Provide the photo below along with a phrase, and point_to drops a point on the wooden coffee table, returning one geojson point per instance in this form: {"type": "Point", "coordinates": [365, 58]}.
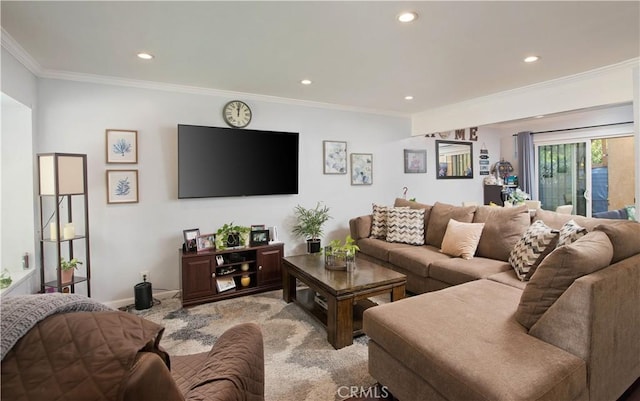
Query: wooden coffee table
{"type": "Point", "coordinates": [346, 293]}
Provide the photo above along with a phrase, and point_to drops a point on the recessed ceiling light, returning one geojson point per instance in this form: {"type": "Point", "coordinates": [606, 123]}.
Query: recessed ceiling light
{"type": "Point", "coordinates": [407, 16]}
{"type": "Point", "coordinates": [306, 82]}
{"type": "Point", "coordinates": [531, 59]}
{"type": "Point", "coordinates": [408, 97]}
{"type": "Point", "coordinates": [145, 56]}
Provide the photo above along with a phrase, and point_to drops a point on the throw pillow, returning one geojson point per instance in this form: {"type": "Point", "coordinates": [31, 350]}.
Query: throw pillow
{"type": "Point", "coordinates": [528, 252]}
{"type": "Point", "coordinates": [503, 227]}
{"type": "Point", "coordinates": [461, 239]}
{"type": "Point", "coordinates": [558, 271]}
{"type": "Point", "coordinates": [624, 237]}
{"type": "Point", "coordinates": [405, 225]}
{"type": "Point", "coordinates": [439, 217]}
{"type": "Point", "coordinates": [379, 221]}
{"type": "Point", "coordinates": [570, 232]}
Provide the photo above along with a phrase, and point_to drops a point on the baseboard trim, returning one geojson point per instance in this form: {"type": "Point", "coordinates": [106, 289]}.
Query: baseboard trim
{"type": "Point", "coordinates": [119, 303]}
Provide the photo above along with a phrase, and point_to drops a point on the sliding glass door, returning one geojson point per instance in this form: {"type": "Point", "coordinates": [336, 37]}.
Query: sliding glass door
{"type": "Point", "coordinates": [594, 175]}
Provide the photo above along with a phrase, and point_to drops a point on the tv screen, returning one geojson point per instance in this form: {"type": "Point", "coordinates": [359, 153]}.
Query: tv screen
{"type": "Point", "coordinates": [214, 162]}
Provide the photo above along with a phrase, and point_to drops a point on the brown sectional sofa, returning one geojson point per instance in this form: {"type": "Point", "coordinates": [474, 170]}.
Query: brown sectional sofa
{"type": "Point", "coordinates": [459, 339]}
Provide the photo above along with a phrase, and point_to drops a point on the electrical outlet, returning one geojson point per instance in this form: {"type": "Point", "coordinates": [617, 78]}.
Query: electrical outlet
{"type": "Point", "coordinates": [143, 274]}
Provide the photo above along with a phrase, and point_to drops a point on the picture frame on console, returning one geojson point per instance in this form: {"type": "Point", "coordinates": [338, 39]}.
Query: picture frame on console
{"type": "Point", "coordinates": [191, 239]}
{"type": "Point", "coordinates": [259, 238]}
{"type": "Point", "coordinates": [206, 242]}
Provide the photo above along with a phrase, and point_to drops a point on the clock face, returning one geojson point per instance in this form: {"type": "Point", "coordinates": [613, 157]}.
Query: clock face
{"type": "Point", "coordinates": [237, 114]}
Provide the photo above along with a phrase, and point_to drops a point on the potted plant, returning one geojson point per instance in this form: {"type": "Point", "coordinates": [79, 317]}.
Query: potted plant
{"type": "Point", "coordinates": [67, 267]}
{"type": "Point", "coordinates": [309, 225]}
{"type": "Point", "coordinates": [518, 197]}
{"type": "Point", "coordinates": [230, 235]}
{"type": "Point", "coordinates": [339, 256]}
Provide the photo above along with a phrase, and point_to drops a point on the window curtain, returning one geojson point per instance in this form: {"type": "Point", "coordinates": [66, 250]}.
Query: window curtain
{"type": "Point", "coordinates": [526, 162]}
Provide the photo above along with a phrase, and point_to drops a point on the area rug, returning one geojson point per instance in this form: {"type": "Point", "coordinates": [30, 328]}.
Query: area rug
{"type": "Point", "coordinates": [299, 362]}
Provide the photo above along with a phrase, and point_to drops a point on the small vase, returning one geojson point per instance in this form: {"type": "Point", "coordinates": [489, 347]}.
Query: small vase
{"type": "Point", "coordinates": [244, 267]}
{"type": "Point", "coordinates": [245, 280]}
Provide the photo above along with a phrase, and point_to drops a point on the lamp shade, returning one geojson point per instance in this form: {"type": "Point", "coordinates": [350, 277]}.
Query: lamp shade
{"type": "Point", "coordinates": [66, 170]}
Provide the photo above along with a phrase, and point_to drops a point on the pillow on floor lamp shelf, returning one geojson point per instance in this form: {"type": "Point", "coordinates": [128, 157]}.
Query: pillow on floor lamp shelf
{"type": "Point", "coordinates": [536, 243]}
{"type": "Point", "coordinates": [461, 239]}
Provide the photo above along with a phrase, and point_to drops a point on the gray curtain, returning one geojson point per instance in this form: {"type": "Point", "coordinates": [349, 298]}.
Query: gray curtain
{"type": "Point", "coordinates": [526, 162]}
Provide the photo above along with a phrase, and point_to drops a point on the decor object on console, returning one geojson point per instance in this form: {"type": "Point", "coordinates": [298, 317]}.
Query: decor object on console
{"type": "Point", "coordinates": [206, 242]}
{"type": "Point", "coordinates": [122, 146]}
{"type": "Point", "coordinates": [259, 237]}
{"type": "Point", "coordinates": [191, 239]}
{"type": "Point", "coordinates": [310, 224]}
{"type": "Point", "coordinates": [232, 236]}
{"type": "Point", "coordinates": [334, 155]}
{"type": "Point", "coordinates": [64, 198]}
{"type": "Point", "coordinates": [361, 168]}
{"type": "Point", "coordinates": [122, 186]}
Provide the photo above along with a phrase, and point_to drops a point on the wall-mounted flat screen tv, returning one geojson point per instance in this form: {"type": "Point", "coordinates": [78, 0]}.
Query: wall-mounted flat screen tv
{"type": "Point", "coordinates": [216, 162]}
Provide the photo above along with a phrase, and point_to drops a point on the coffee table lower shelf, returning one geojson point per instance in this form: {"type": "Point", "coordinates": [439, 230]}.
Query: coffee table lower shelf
{"type": "Point", "coordinates": [305, 298]}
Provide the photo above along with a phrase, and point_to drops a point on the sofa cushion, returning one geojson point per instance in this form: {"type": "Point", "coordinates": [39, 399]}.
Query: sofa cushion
{"type": "Point", "coordinates": [503, 227]}
{"type": "Point", "coordinates": [570, 232]}
{"type": "Point", "coordinates": [531, 249]}
{"type": "Point", "coordinates": [508, 278]}
{"type": "Point", "coordinates": [557, 220]}
{"type": "Point", "coordinates": [625, 237]}
{"type": "Point", "coordinates": [378, 248]}
{"type": "Point", "coordinates": [399, 202]}
{"type": "Point", "coordinates": [461, 239]}
{"type": "Point", "coordinates": [439, 217]}
{"type": "Point", "coordinates": [456, 271]}
{"type": "Point", "coordinates": [416, 259]}
{"type": "Point", "coordinates": [557, 272]}
{"type": "Point", "coordinates": [464, 342]}
{"type": "Point", "coordinates": [405, 226]}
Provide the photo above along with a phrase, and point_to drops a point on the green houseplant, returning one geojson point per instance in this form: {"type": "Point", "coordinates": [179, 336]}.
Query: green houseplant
{"type": "Point", "coordinates": [67, 267]}
{"type": "Point", "coordinates": [310, 225]}
{"type": "Point", "coordinates": [230, 235]}
{"type": "Point", "coordinates": [340, 256]}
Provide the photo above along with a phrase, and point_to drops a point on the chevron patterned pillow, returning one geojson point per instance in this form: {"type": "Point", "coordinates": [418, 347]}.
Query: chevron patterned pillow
{"type": "Point", "coordinates": [570, 232]}
{"type": "Point", "coordinates": [405, 225]}
{"type": "Point", "coordinates": [379, 221]}
{"type": "Point", "coordinates": [530, 250]}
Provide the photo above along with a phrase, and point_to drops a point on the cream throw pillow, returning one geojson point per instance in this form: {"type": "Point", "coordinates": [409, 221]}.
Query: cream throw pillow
{"type": "Point", "coordinates": [461, 239]}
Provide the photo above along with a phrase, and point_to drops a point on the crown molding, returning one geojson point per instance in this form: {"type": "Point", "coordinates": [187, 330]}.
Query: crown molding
{"type": "Point", "coordinates": [17, 51]}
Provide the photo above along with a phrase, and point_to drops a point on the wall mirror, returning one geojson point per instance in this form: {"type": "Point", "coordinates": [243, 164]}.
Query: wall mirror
{"type": "Point", "coordinates": [455, 159]}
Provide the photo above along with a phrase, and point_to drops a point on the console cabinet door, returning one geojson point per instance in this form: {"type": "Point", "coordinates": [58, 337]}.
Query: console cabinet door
{"type": "Point", "coordinates": [269, 261]}
{"type": "Point", "coordinates": [197, 277]}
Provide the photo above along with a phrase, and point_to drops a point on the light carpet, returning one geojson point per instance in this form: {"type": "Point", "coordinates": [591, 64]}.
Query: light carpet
{"type": "Point", "coordinates": [299, 362]}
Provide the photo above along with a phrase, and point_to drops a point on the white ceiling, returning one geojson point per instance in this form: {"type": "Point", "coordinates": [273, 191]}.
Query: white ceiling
{"type": "Point", "coordinates": [356, 53]}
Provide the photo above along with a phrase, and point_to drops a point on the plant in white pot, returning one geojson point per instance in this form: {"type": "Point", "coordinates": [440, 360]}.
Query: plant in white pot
{"type": "Point", "coordinates": [310, 225]}
{"type": "Point", "coordinates": [66, 269]}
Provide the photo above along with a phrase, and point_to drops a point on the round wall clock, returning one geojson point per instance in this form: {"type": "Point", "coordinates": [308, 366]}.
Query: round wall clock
{"type": "Point", "coordinates": [236, 114]}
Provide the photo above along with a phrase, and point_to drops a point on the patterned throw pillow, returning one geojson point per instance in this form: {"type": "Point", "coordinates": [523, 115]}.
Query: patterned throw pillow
{"type": "Point", "coordinates": [379, 222]}
{"type": "Point", "coordinates": [570, 232]}
{"type": "Point", "coordinates": [405, 225]}
{"type": "Point", "coordinates": [530, 250]}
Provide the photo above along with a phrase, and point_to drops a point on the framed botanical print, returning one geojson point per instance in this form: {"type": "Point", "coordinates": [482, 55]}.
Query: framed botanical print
{"type": "Point", "coordinates": [122, 186]}
{"type": "Point", "coordinates": [361, 168]}
{"type": "Point", "coordinates": [334, 155]}
{"type": "Point", "coordinates": [122, 146]}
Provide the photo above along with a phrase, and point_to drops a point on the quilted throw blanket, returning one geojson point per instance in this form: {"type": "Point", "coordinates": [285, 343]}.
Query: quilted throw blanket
{"type": "Point", "coordinates": [21, 313]}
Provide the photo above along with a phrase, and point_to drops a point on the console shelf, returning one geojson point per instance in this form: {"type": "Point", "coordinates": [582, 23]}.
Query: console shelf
{"type": "Point", "coordinates": [203, 279]}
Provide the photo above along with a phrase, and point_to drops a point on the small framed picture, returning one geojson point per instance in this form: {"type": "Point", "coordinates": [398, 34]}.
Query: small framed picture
{"type": "Point", "coordinates": [122, 186]}
{"type": "Point", "coordinates": [259, 238]}
{"type": "Point", "coordinates": [225, 283]}
{"type": "Point", "coordinates": [219, 260]}
{"type": "Point", "coordinates": [361, 168]}
{"type": "Point", "coordinates": [334, 155]}
{"type": "Point", "coordinates": [122, 146]}
{"type": "Point", "coordinates": [191, 239]}
{"type": "Point", "coordinates": [206, 242]}
{"type": "Point", "coordinates": [415, 161]}
{"type": "Point", "coordinates": [256, 227]}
